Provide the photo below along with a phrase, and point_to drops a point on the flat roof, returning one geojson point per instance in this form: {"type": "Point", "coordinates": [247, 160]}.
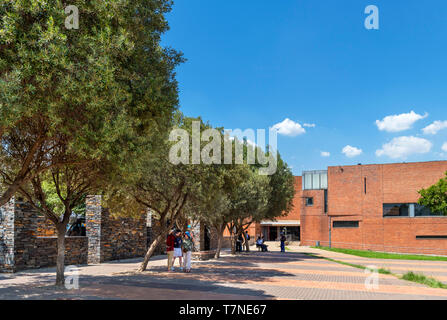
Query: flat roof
{"type": "Point", "coordinates": [374, 164]}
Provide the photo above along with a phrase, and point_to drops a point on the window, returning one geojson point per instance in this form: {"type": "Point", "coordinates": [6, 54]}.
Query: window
{"type": "Point", "coordinates": [422, 211]}
{"type": "Point", "coordinates": [345, 224]}
{"type": "Point", "coordinates": [396, 210]}
{"type": "Point", "coordinates": [309, 202]}
{"type": "Point", "coordinates": [365, 184]}
{"type": "Point", "coordinates": [314, 180]}
{"type": "Point", "coordinates": [307, 181]}
{"type": "Point", "coordinates": [407, 210]}
{"type": "Point", "coordinates": [430, 237]}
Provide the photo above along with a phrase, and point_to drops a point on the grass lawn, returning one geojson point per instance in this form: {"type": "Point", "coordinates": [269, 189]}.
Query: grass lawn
{"type": "Point", "coordinates": [420, 278]}
{"type": "Point", "coordinates": [383, 255]}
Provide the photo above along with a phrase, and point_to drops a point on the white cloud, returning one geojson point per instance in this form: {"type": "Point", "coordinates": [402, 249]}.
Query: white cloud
{"type": "Point", "coordinates": [402, 147]}
{"type": "Point", "coordinates": [435, 127]}
{"type": "Point", "coordinates": [444, 147]}
{"type": "Point", "coordinates": [401, 122]}
{"type": "Point", "coordinates": [289, 128]}
{"type": "Point", "coordinates": [351, 152]}
{"type": "Point", "coordinates": [325, 154]}
{"type": "Point", "coordinates": [309, 125]}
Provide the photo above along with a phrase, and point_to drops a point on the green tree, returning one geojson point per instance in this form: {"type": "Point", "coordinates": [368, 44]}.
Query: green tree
{"type": "Point", "coordinates": [56, 193]}
{"type": "Point", "coordinates": [261, 197]}
{"type": "Point", "coordinates": [435, 197]}
{"type": "Point", "coordinates": [166, 189]}
{"type": "Point", "coordinates": [95, 91]}
{"type": "Point", "coordinates": [71, 100]}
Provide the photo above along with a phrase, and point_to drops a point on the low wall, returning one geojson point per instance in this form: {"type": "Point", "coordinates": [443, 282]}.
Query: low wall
{"type": "Point", "coordinates": [45, 254]}
{"type": "Point", "coordinates": [27, 240]}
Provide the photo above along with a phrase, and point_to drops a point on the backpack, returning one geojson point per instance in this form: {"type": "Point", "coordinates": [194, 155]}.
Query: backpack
{"type": "Point", "coordinates": [188, 245]}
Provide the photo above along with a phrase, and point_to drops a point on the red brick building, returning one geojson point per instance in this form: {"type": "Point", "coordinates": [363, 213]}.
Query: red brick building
{"type": "Point", "coordinates": [370, 207]}
{"type": "Point", "coordinates": [289, 224]}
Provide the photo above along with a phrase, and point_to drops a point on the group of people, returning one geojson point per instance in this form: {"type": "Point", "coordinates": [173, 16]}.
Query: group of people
{"type": "Point", "coordinates": [179, 245]}
{"type": "Point", "coordinates": [260, 242]}
{"type": "Point", "coordinates": [241, 241]}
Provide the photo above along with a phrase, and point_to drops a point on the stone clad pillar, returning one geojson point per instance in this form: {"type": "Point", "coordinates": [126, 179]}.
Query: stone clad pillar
{"type": "Point", "coordinates": [93, 215]}
{"type": "Point", "coordinates": [17, 240]}
{"type": "Point", "coordinates": [7, 237]}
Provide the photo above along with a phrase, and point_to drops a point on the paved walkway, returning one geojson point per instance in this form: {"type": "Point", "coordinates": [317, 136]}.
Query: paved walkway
{"type": "Point", "coordinates": [255, 275]}
{"type": "Point", "coordinates": [436, 269]}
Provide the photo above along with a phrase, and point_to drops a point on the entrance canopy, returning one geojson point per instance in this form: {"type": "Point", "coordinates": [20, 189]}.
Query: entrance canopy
{"type": "Point", "coordinates": [291, 223]}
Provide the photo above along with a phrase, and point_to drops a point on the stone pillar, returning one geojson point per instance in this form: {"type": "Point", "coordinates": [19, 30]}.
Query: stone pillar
{"type": "Point", "coordinates": [17, 241]}
{"type": "Point", "coordinates": [93, 215]}
{"type": "Point", "coordinates": [198, 235]}
{"type": "Point", "coordinates": [7, 237]}
{"type": "Point", "coordinates": [25, 218]}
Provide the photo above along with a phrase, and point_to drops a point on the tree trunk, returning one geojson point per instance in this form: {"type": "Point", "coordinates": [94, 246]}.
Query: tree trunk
{"type": "Point", "coordinates": [150, 252]}
{"type": "Point", "coordinates": [60, 263]}
{"type": "Point", "coordinates": [219, 243]}
{"type": "Point", "coordinates": [8, 194]}
{"type": "Point", "coordinates": [233, 242]}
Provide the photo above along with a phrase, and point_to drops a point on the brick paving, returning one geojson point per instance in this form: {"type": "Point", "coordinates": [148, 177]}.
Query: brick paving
{"type": "Point", "coordinates": [254, 275]}
{"type": "Point", "coordinates": [436, 269]}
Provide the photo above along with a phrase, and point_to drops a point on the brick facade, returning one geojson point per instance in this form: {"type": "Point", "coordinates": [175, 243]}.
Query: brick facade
{"type": "Point", "coordinates": [357, 193]}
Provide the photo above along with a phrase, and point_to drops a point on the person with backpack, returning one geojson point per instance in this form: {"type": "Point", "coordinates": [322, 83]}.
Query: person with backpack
{"type": "Point", "coordinates": [188, 246]}
{"type": "Point", "coordinates": [283, 242]}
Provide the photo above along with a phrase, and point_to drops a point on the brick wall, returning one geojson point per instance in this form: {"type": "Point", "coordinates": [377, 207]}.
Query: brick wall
{"type": "Point", "coordinates": [387, 183]}
{"type": "Point", "coordinates": [314, 221]}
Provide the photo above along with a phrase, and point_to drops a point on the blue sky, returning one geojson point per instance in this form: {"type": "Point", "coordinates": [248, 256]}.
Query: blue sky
{"type": "Point", "coordinates": [253, 64]}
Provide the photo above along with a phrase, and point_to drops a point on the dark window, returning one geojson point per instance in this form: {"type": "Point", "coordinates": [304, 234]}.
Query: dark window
{"type": "Point", "coordinates": [365, 185]}
{"type": "Point", "coordinates": [345, 224]}
{"type": "Point", "coordinates": [309, 202]}
{"type": "Point", "coordinates": [395, 210]}
{"type": "Point", "coordinates": [325, 201]}
{"type": "Point", "coordinates": [422, 211]}
{"type": "Point", "coordinates": [273, 233]}
{"type": "Point", "coordinates": [431, 237]}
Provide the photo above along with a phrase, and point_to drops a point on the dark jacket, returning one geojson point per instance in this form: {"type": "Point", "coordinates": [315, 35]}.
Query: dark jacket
{"type": "Point", "coordinates": [170, 242]}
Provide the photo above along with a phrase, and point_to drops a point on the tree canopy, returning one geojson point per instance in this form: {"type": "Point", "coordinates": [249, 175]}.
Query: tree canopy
{"type": "Point", "coordinates": [435, 197]}
{"type": "Point", "coordinates": [104, 91]}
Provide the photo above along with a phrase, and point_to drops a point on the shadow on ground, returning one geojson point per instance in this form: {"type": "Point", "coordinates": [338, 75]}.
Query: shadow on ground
{"type": "Point", "coordinates": [214, 279]}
